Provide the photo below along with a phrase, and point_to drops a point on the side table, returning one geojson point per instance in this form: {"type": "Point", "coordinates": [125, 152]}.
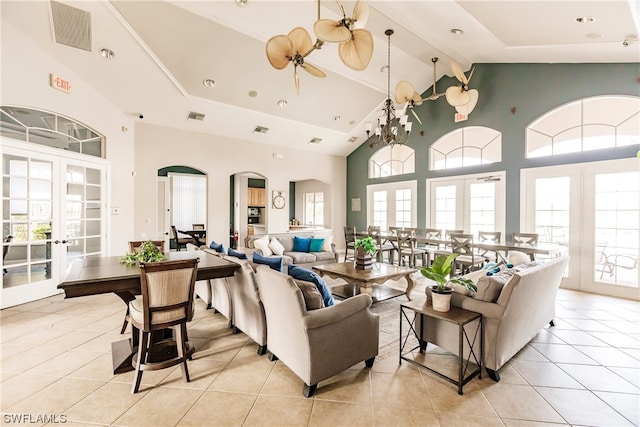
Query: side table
{"type": "Point", "coordinates": [455, 315]}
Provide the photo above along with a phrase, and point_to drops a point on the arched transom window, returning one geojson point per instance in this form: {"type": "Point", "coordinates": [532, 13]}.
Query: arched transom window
{"type": "Point", "coordinates": [467, 146]}
{"type": "Point", "coordinates": [392, 160]}
{"type": "Point", "coordinates": [584, 125]}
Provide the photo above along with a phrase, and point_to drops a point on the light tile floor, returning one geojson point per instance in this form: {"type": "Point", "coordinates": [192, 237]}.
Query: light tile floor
{"type": "Point", "coordinates": [56, 366]}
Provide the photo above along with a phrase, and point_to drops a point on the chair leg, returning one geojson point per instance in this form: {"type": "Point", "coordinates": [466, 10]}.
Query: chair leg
{"type": "Point", "coordinates": [369, 362]}
{"type": "Point", "coordinates": [126, 322]}
{"type": "Point", "coordinates": [494, 375]}
{"type": "Point", "coordinates": [262, 349]}
{"type": "Point", "coordinates": [309, 390]}
{"type": "Point", "coordinates": [272, 357]}
{"type": "Point", "coordinates": [181, 344]}
{"type": "Point", "coordinates": [142, 356]}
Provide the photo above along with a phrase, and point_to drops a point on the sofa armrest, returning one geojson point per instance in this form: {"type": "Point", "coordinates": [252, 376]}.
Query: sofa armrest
{"type": "Point", "coordinates": [338, 312]}
{"type": "Point", "coordinates": [487, 309]}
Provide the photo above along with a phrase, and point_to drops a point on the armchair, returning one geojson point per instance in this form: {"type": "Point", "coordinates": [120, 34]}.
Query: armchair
{"type": "Point", "coordinates": [315, 344]}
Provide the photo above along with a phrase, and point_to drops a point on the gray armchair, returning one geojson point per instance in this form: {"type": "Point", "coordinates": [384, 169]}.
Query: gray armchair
{"type": "Point", "coordinates": [316, 344]}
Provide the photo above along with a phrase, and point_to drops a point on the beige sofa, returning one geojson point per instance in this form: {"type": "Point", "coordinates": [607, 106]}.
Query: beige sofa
{"type": "Point", "coordinates": [524, 306]}
{"type": "Point", "coordinates": [303, 259]}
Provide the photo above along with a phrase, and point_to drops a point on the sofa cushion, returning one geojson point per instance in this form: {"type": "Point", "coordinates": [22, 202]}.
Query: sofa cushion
{"type": "Point", "coordinates": [263, 244]}
{"type": "Point", "coordinates": [310, 276]}
{"type": "Point", "coordinates": [287, 242]}
{"type": "Point", "coordinates": [312, 296]}
{"type": "Point", "coordinates": [276, 246]}
{"type": "Point", "coordinates": [325, 256]}
{"type": "Point", "coordinates": [316, 244]}
{"type": "Point", "coordinates": [301, 244]}
{"type": "Point", "coordinates": [489, 287]}
{"type": "Point", "coordinates": [301, 257]}
{"type": "Point", "coordinates": [274, 262]}
{"type": "Point", "coordinates": [218, 247]}
{"type": "Point", "coordinates": [237, 254]}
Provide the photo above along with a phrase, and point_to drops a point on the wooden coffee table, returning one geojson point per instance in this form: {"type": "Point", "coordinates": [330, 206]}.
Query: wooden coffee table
{"type": "Point", "coordinates": [370, 281]}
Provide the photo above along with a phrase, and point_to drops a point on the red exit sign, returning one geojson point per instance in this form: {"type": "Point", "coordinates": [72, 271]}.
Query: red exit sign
{"type": "Point", "coordinates": [59, 83]}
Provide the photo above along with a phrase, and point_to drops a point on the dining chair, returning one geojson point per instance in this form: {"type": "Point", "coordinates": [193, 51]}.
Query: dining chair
{"type": "Point", "coordinates": [445, 249]}
{"type": "Point", "coordinates": [526, 239]}
{"type": "Point", "coordinates": [350, 241]}
{"type": "Point", "coordinates": [406, 244]}
{"type": "Point", "coordinates": [382, 246]}
{"type": "Point", "coordinates": [197, 226]}
{"type": "Point", "coordinates": [431, 247]}
{"type": "Point", "coordinates": [181, 242]}
{"type": "Point", "coordinates": [197, 238]}
{"type": "Point", "coordinates": [489, 237]}
{"type": "Point", "coordinates": [166, 302]}
{"type": "Point", "coordinates": [467, 259]}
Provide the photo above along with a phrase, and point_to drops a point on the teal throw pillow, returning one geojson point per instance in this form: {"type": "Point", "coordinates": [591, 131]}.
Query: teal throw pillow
{"type": "Point", "coordinates": [316, 245]}
{"type": "Point", "coordinates": [275, 263]}
{"type": "Point", "coordinates": [237, 254]}
{"type": "Point", "coordinates": [301, 244]}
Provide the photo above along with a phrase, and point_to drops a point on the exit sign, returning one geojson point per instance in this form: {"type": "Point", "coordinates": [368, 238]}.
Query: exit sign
{"type": "Point", "coordinates": [59, 83]}
{"type": "Point", "coordinates": [459, 117]}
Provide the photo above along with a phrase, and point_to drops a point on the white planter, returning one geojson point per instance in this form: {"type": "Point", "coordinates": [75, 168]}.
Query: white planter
{"type": "Point", "coordinates": [441, 302]}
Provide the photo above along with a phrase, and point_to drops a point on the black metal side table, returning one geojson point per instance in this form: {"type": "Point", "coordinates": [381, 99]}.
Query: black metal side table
{"type": "Point", "coordinates": [455, 315]}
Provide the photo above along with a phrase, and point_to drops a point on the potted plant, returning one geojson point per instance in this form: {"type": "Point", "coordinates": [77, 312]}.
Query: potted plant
{"type": "Point", "coordinates": [365, 248]}
{"type": "Point", "coordinates": [146, 252]}
{"type": "Point", "coordinates": [439, 272]}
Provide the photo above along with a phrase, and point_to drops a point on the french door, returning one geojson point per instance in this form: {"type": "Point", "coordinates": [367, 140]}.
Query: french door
{"type": "Point", "coordinates": [471, 203]}
{"type": "Point", "coordinates": [53, 212]}
{"type": "Point", "coordinates": [593, 209]}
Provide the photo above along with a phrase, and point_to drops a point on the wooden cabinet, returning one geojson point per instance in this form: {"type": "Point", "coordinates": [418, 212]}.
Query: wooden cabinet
{"type": "Point", "coordinates": [256, 197]}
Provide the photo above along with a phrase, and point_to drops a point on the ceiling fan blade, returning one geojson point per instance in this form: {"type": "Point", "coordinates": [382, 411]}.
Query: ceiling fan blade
{"type": "Point", "coordinates": [296, 79]}
{"type": "Point", "coordinates": [469, 106]}
{"type": "Point", "coordinates": [404, 91]}
{"type": "Point", "coordinates": [416, 116]}
{"type": "Point", "coordinates": [457, 71]}
{"type": "Point", "coordinates": [313, 70]}
{"type": "Point", "coordinates": [331, 31]}
{"type": "Point", "coordinates": [416, 99]}
{"type": "Point", "coordinates": [357, 52]}
{"type": "Point", "coordinates": [456, 96]}
{"type": "Point", "coordinates": [300, 40]}
{"type": "Point", "coordinates": [279, 50]}
{"type": "Point", "coordinates": [361, 13]}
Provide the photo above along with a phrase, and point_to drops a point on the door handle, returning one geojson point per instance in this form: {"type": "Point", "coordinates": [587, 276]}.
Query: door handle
{"type": "Point", "coordinates": [57, 242]}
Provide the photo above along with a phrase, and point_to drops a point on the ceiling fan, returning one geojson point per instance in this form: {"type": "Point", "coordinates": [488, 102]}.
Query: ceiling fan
{"type": "Point", "coordinates": [406, 93]}
{"type": "Point", "coordinates": [461, 97]}
{"type": "Point", "coordinates": [294, 47]}
{"type": "Point", "coordinates": [356, 43]}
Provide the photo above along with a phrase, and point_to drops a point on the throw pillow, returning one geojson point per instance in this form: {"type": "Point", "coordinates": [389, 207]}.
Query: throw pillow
{"type": "Point", "coordinates": [489, 287]}
{"type": "Point", "coordinates": [276, 246]}
{"type": "Point", "coordinates": [316, 244]}
{"type": "Point", "coordinates": [275, 263]}
{"type": "Point", "coordinates": [326, 246]}
{"type": "Point", "coordinates": [517, 257]}
{"type": "Point", "coordinates": [237, 254]}
{"type": "Point", "coordinates": [218, 247]}
{"type": "Point", "coordinates": [474, 276]}
{"type": "Point", "coordinates": [312, 297]}
{"type": "Point", "coordinates": [263, 244]}
{"type": "Point", "coordinates": [301, 244]}
{"type": "Point", "coordinates": [303, 274]}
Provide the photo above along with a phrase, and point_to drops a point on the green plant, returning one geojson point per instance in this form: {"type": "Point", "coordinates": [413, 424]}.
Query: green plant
{"type": "Point", "coordinates": [367, 244]}
{"type": "Point", "coordinates": [147, 252]}
{"type": "Point", "coordinates": [440, 271]}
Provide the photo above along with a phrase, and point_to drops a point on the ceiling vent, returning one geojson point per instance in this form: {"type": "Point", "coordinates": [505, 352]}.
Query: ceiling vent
{"type": "Point", "coordinates": [315, 140]}
{"type": "Point", "coordinates": [260, 129]}
{"type": "Point", "coordinates": [353, 139]}
{"type": "Point", "coordinates": [195, 116]}
{"type": "Point", "coordinates": [71, 26]}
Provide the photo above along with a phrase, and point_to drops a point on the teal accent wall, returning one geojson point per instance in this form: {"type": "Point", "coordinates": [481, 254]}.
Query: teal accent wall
{"type": "Point", "coordinates": [532, 89]}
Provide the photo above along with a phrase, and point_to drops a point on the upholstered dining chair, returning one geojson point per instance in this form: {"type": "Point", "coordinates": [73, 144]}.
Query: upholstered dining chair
{"type": "Point", "coordinates": [406, 244]}
{"type": "Point", "coordinates": [382, 246]}
{"type": "Point", "coordinates": [181, 242]}
{"type": "Point", "coordinates": [467, 259]}
{"type": "Point", "coordinates": [350, 241]}
{"type": "Point", "coordinates": [166, 302]}
{"type": "Point", "coordinates": [526, 239]}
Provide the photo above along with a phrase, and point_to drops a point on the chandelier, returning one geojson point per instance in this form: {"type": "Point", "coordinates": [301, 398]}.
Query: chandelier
{"type": "Point", "coordinates": [392, 127]}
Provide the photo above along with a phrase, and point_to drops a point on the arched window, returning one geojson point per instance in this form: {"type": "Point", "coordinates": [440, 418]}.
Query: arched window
{"type": "Point", "coordinates": [584, 125]}
{"type": "Point", "coordinates": [467, 146]}
{"type": "Point", "coordinates": [50, 129]}
{"type": "Point", "coordinates": [392, 160]}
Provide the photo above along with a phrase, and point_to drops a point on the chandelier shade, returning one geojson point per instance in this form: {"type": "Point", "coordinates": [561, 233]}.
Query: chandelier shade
{"type": "Point", "coordinates": [392, 127]}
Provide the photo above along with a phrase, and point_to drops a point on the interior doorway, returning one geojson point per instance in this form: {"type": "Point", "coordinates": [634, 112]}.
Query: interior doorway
{"type": "Point", "coordinates": [249, 211]}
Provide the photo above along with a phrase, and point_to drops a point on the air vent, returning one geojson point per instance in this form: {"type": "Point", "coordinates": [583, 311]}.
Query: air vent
{"type": "Point", "coordinates": [353, 139]}
{"type": "Point", "coordinates": [195, 116]}
{"type": "Point", "coordinates": [261, 129]}
{"type": "Point", "coordinates": [71, 26]}
{"type": "Point", "coordinates": [315, 140]}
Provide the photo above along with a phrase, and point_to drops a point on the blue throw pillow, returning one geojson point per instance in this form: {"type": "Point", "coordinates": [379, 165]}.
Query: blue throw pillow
{"type": "Point", "coordinates": [316, 245]}
{"type": "Point", "coordinates": [218, 247]}
{"type": "Point", "coordinates": [310, 276]}
{"type": "Point", "coordinates": [274, 262]}
{"type": "Point", "coordinates": [237, 254]}
{"type": "Point", "coordinates": [301, 244]}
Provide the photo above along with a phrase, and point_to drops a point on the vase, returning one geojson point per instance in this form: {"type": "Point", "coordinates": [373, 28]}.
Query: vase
{"type": "Point", "coordinates": [363, 260]}
{"type": "Point", "coordinates": [441, 300]}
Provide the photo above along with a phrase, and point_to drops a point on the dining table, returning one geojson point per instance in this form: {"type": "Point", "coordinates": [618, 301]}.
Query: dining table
{"type": "Point", "coordinates": [100, 275]}
{"type": "Point", "coordinates": [199, 236]}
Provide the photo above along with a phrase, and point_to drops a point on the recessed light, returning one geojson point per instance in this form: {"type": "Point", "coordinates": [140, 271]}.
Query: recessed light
{"type": "Point", "coordinates": [209, 82]}
{"type": "Point", "coordinates": [585, 19]}
{"type": "Point", "coordinates": [282, 103]}
{"type": "Point", "coordinates": [457, 31]}
{"type": "Point", "coordinates": [106, 53]}
{"type": "Point", "coordinates": [253, 93]}
{"type": "Point", "coordinates": [241, 3]}
{"type": "Point", "coordinates": [353, 139]}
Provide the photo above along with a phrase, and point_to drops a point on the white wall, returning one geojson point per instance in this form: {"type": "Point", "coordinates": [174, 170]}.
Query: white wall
{"type": "Point", "coordinates": [157, 147]}
{"type": "Point", "coordinates": [25, 82]}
